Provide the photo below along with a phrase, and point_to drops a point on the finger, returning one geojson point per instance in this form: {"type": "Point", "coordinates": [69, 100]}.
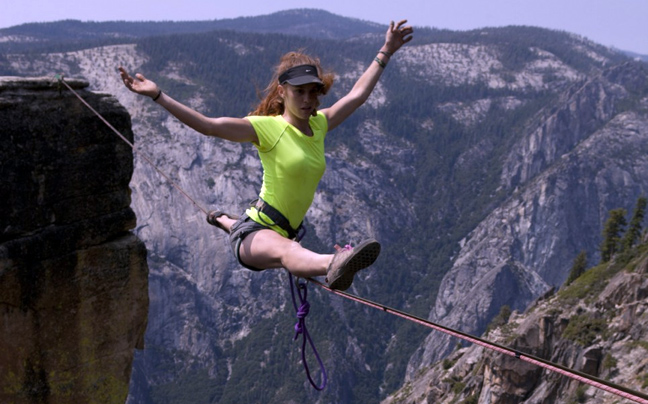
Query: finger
{"type": "Point", "coordinates": [140, 77]}
{"type": "Point", "coordinates": [401, 22]}
{"type": "Point", "coordinates": [128, 80]}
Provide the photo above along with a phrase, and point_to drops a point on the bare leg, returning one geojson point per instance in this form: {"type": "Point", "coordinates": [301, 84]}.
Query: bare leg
{"type": "Point", "coordinates": [268, 249]}
{"type": "Point", "coordinates": [226, 222]}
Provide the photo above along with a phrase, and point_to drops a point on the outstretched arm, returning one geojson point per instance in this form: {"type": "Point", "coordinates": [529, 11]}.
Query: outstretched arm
{"type": "Point", "coordinates": [234, 129]}
{"type": "Point", "coordinates": [397, 35]}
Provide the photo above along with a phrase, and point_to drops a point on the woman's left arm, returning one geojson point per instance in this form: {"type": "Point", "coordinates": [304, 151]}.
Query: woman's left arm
{"type": "Point", "coordinates": [397, 35]}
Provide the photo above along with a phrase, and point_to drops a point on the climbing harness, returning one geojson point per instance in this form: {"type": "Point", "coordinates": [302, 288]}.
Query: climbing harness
{"type": "Point", "coordinates": [302, 311]}
{"type": "Point", "coordinates": [277, 218]}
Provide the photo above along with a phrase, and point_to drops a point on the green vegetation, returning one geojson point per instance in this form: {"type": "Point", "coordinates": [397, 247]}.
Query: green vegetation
{"type": "Point", "coordinates": [457, 385]}
{"type": "Point", "coordinates": [579, 395]}
{"type": "Point", "coordinates": [582, 283]}
{"type": "Point", "coordinates": [448, 363]}
{"type": "Point", "coordinates": [457, 183]}
{"type": "Point", "coordinates": [609, 362]}
{"type": "Point", "coordinates": [644, 380]}
{"type": "Point", "coordinates": [634, 228]}
{"type": "Point", "coordinates": [472, 399]}
{"type": "Point", "coordinates": [612, 234]}
{"type": "Point", "coordinates": [585, 328]}
{"type": "Point", "coordinates": [578, 268]}
{"type": "Point", "coordinates": [641, 344]}
{"type": "Point", "coordinates": [613, 242]}
{"type": "Point", "coordinates": [591, 283]}
{"type": "Point", "coordinates": [501, 318]}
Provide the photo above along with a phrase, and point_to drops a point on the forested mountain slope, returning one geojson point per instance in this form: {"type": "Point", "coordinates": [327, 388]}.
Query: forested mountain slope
{"type": "Point", "coordinates": [484, 162]}
{"type": "Point", "coordinates": [596, 325]}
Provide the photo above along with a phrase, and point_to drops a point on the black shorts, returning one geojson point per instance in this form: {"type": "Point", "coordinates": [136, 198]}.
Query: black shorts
{"type": "Point", "coordinates": [243, 227]}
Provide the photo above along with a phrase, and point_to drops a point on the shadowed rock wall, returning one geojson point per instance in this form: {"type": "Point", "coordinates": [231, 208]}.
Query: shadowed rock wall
{"type": "Point", "coordinates": [73, 278]}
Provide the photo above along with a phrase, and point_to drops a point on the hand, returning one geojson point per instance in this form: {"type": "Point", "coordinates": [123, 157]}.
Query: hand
{"type": "Point", "coordinates": [139, 84]}
{"type": "Point", "coordinates": [397, 35]}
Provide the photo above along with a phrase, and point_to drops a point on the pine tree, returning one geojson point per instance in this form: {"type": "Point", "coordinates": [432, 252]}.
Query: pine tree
{"type": "Point", "coordinates": [612, 234]}
{"type": "Point", "coordinates": [634, 229]}
{"type": "Point", "coordinates": [578, 267]}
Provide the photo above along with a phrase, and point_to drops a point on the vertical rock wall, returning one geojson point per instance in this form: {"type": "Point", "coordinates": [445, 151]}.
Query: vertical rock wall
{"type": "Point", "coordinates": [73, 278]}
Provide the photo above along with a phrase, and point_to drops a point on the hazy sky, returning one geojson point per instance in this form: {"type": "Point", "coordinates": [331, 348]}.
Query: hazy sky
{"type": "Point", "coordinates": [619, 23]}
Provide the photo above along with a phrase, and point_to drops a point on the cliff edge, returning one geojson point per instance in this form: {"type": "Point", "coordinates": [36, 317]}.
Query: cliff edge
{"type": "Point", "coordinates": [73, 278]}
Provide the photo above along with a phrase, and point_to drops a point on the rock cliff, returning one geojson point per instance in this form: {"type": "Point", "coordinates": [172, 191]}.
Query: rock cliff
{"type": "Point", "coordinates": [73, 278]}
{"type": "Point", "coordinates": [596, 325]}
{"type": "Point", "coordinates": [484, 162]}
{"type": "Point", "coordinates": [579, 159]}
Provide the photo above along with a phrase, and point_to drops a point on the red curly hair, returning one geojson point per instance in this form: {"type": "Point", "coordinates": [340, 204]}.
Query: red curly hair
{"type": "Point", "coordinates": [272, 103]}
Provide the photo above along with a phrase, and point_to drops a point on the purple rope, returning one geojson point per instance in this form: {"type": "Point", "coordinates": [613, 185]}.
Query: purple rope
{"type": "Point", "coordinates": [300, 328]}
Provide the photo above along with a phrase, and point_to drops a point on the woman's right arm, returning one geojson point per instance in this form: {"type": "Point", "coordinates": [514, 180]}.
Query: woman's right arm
{"type": "Point", "coordinates": [233, 129]}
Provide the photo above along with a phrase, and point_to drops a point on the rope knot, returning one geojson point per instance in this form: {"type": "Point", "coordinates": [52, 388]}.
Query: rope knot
{"type": "Point", "coordinates": [302, 312]}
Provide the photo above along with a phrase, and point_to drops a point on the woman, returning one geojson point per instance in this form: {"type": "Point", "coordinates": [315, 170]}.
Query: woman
{"type": "Point", "coordinates": [288, 131]}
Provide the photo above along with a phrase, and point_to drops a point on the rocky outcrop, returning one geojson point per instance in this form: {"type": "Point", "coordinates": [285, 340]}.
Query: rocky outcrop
{"type": "Point", "coordinates": [595, 326]}
{"type": "Point", "coordinates": [73, 278]}
{"type": "Point", "coordinates": [586, 107]}
{"type": "Point", "coordinates": [527, 244]}
{"type": "Point", "coordinates": [418, 167]}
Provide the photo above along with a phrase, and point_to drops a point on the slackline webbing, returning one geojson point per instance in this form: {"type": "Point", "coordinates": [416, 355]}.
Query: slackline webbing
{"type": "Point", "coordinates": [574, 374]}
{"type": "Point", "coordinates": [554, 367]}
{"type": "Point", "coordinates": [143, 156]}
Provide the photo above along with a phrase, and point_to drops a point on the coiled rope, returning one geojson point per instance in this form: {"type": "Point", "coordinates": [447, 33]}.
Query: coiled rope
{"type": "Point", "coordinates": [300, 328]}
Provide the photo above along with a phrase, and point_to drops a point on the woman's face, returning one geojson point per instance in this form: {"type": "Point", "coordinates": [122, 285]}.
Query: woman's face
{"type": "Point", "coordinates": [300, 101]}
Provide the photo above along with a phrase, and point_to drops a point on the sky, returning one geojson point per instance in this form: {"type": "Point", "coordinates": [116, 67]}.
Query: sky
{"type": "Point", "coordinates": [622, 24]}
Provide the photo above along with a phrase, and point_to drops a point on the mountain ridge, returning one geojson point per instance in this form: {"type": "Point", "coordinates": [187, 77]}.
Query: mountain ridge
{"type": "Point", "coordinates": [419, 167]}
{"type": "Point", "coordinates": [315, 23]}
{"type": "Point", "coordinates": [591, 326]}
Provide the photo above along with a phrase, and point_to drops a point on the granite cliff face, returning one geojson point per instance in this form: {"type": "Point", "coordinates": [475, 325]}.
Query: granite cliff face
{"type": "Point", "coordinates": [527, 244]}
{"type": "Point", "coordinates": [596, 325]}
{"type": "Point", "coordinates": [496, 168]}
{"type": "Point", "coordinates": [73, 278]}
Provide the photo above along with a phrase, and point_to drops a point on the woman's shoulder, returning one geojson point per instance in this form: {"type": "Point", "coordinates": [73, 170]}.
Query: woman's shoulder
{"type": "Point", "coordinates": [263, 118]}
{"type": "Point", "coordinates": [319, 122]}
{"type": "Point", "coordinates": [268, 129]}
{"type": "Point", "coordinates": [266, 122]}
